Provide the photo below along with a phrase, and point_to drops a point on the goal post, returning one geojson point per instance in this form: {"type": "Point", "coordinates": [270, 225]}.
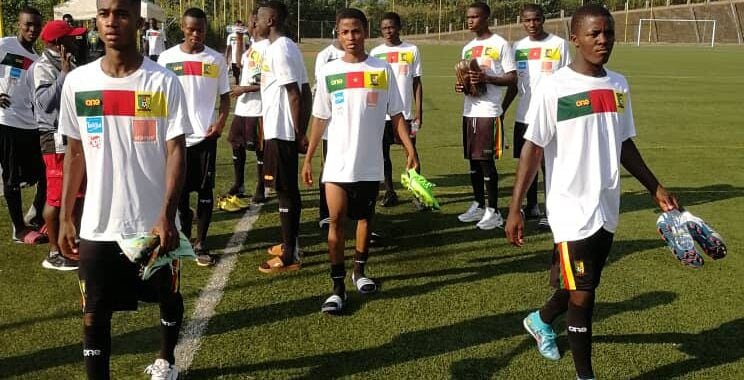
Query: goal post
{"type": "Point", "coordinates": [650, 22]}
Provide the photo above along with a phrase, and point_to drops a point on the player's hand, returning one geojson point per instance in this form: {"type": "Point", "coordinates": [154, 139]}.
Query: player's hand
{"type": "Point", "coordinates": [214, 132]}
{"type": "Point", "coordinates": [65, 58]}
{"type": "Point", "coordinates": [236, 91]}
{"type": "Point", "coordinates": [302, 144]}
{"type": "Point", "coordinates": [166, 230]}
{"type": "Point", "coordinates": [307, 173]}
{"type": "Point", "coordinates": [666, 200]}
{"type": "Point", "coordinates": [459, 88]}
{"type": "Point", "coordinates": [477, 77]}
{"type": "Point", "coordinates": [420, 124]}
{"type": "Point", "coordinates": [412, 162]}
{"type": "Point", "coordinates": [515, 228]}
{"type": "Point", "coordinates": [67, 240]}
{"type": "Point", "coordinates": [4, 100]}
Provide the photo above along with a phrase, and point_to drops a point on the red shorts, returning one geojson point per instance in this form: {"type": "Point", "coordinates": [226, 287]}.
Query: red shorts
{"type": "Point", "coordinates": [54, 163]}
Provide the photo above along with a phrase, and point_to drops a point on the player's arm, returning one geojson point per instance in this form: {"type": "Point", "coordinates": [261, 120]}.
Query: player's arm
{"type": "Point", "coordinates": [294, 96]}
{"type": "Point", "coordinates": [418, 95]}
{"type": "Point", "coordinates": [508, 79]}
{"type": "Point", "coordinates": [529, 161]}
{"type": "Point", "coordinates": [511, 93]}
{"type": "Point", "coordinates": [175, 169]}
{"type": "Point", "coordinates": [316, 134]}
{"type": "Point", "coordinates": [239, 47]}
{"type": "Point", "coordinates": [307, 107]}
{"type": "Point", "coordinates": [74, 169]}
{"type": "Point", "coordinates": [228, 50]}
{"type": "Point", "coordinates": [215, 130]}
{"type": "Point", "coordinates": [402, 130]}
{"type": "Point", "coordinates": [240, 90]}
{"type": "Point", "coordinates": [633, 162]}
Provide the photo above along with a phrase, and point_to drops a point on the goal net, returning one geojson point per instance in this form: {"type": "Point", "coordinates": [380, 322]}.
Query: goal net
{"type": "Point", "coordinates": [660, 30]}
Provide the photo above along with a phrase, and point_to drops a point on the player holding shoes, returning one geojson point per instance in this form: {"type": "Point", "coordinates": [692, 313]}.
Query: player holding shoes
{"type": "Point", "coordinates": [355, 93]}
{"type": "Point", "coordinates": [581, 120]}
{"type": "Point", "coordinates": [203, 75]}
{"type": "Point", "coordinates": [538, 55]}
{"type": "Point", "coordinates": [482, 132]}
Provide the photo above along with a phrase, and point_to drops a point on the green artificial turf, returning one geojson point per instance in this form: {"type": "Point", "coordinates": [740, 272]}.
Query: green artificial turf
{"type": "Point", "coordinates": [452, 298]}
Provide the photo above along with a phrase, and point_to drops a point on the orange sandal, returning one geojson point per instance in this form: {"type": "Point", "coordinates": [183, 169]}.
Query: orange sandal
{"type": "Point", "coordinates": [276, 265]}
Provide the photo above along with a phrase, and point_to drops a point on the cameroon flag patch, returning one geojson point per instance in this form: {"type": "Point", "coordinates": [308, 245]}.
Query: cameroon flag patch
{"type": "Point", "coordinates": [590, 102]}
{"type": "Point", "coordinates": [193, 68]}
{"type": "Point", "coordinates": [376, 80]}
{"type": "Point", "coordinates": [121, 103]}
{"type": "Point", "coordinates": [17, 61]}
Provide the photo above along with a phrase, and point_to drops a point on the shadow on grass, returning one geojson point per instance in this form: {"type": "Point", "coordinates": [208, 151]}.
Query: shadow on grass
{"type": "Point", "coordinates": [423, 344]}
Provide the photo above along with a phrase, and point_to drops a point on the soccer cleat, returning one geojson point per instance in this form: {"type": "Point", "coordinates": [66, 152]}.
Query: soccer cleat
{"type": "Point", "coordinates": [420, 187]}
{"type": "Point", "coordinates": [390, 199]}
{"type": "Point", "coordinates": [239, 202]}
{"type": "Point", "coordinates": [709, 240]}
{"type": "Point", "coordinates": [225, 205]}
{"type": "Point", "coordinates": [55, 260]}
{"type": "Point", "coordinates": [543, 334]}
{"type": "Point", "coordinates": [474, 214]}
{"type": "Point", "coordinates": [543, 224]}
{"type": "Point", "coordinates": [673, 230]}
{"type": "Point", "coordinates": [490, 220]}
{"type": "Point", "coordinates": [162, 370]}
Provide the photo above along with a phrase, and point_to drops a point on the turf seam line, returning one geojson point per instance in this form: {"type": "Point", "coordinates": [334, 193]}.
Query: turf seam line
{"type": "Point", "coordinates": [191, 334]}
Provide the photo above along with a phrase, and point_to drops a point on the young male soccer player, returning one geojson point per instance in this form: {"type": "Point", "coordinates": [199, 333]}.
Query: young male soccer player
{"type": "Point", "coordinates": [355, 93]}
{"type": "Point", "coordinates": [285, 96]}
{"type": "Point", "coordinates": [405, 60]}
{"type": "Point", "coordinates": [482, 132]}
{"type": "Point", "coordinates": [246, 131]}
{"type": "Point", "coordinates": [236, 44]}
{"type": "Point", "coordinates": [581, 120]}
{"type": "Point", "coordinates": [538, 55]}
{"type": "Point", "coordinates": [20, 154]}
{"type": "Point", "coordinates": [331, 52]}
{"type": "Point", "coordinates": [125, 118]}
{"type": "Point", "coordinates": [155, 40]}
{"type": "Point", "coordinates": [203, 75]}
{"type": "Point", "coordinates": [49, 74]}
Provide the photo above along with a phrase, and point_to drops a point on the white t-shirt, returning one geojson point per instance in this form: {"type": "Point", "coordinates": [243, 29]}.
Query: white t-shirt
{"type": "Point", "coordinates": [155, 41]}
{"type": "Point", "coordinates": [581, 122]}
{"type": "Point", "coordinates": [495, 58]}
{"type": "Point", "coordinates": [249, 103]}
{"type": "Point", "coordinates": [330, 53]}
{"type": "Point", "coordinates": [405, 61]}
{"type": "Point", "coordinates": [282, 64]}
{"type": "Point", "coordinates": [123, 125]}
{"type": "Point", "coordinates": [356, 97]}
{"type": "Point", "coordinates": [15, 61]}
{"type": "Point", "coordinates": [232, 42]}
{"type": "Point", "coordinates": [203, 77]}
{"type": "Point", "coordinates": [535, 60]}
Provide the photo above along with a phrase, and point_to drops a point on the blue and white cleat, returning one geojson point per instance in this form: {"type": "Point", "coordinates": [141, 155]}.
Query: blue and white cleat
{"type": "Point", "coordinates": [543, 334]}
{"type": "Point", "coordinates": [709, 240]}
{"type": "Point", "coordinates": [672, 227]}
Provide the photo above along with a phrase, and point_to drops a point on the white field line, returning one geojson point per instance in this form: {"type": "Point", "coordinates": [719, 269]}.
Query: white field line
{"type": "Point", "coordinates": [191, 334]}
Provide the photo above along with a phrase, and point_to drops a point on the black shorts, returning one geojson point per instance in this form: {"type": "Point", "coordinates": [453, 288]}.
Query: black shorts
{"type": "Point", "coordinates": [519, 130]}
{"type": "Point", "coordinates": [246, 132]}
{"type": "Point", "coordinates": [110, 282]}
{"type": "Point", "coordinates": [20, 156]}
{"type": "Point", "coordinates": [577, 265]}
{"type": "Point", "coordinates": [391, 137]}
{"type": "Point", "coordinates": [482, 138]}
{"type": "Point", "coordinates": [200, 165]}
{"type": "Point", "coordinates": [281, 162]}
{"type": "Point", "coordinates": [235, 70]}
{"type": "Point", "coordinates": [361, 197]}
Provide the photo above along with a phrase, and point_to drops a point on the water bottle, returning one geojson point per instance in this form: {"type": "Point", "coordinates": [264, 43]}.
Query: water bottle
{"type": "Point", "coordinates": [414, 128]}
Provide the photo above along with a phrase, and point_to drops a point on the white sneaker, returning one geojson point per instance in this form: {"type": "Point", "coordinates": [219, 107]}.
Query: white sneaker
{"type": "Point", "coordinates": [324, 222]}
{"type": "Point", "coordinates": [473, 214]}
{"type": "Point", "coordinates": [491, 219]}
{"type": "Point", "coordinates": [162, 370]}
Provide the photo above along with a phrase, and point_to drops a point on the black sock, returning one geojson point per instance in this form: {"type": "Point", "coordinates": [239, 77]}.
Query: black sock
{"type": "Point", "coordinates": [289, 212]}
{"type": "Point", "coordinates": [476, 180]}
{"type": "Point", "coordinates": [238, 156]}
{"type": "Point", "coordinates": [491, 179]}
{"type": "Point", "coordinates": [171, 318]}
{"type": "Point", "coordinates": [338, 275]}
{"type": "Point", "coordinates": [97, 344]}
{"type": "Point", "coordinates": [360, 260]}
{"type": "Point", "coordinates": [185, 215]}
{"type": "Point", "coordinates": [579, 326]}
{"type": "Point", "coordinates": [12, 196]}
{"type": "Point", "coordinates": [204, 209]}
{"type": "Point", "coordinates": [260, 188]}
{"type": "Point", "coordinates": [387, 166]}
{"type": "Point", "coordinates": [556, 305]}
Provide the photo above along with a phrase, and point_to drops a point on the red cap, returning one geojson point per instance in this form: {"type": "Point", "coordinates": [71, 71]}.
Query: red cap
{"type": "Point", "coordinates": [57, 29]}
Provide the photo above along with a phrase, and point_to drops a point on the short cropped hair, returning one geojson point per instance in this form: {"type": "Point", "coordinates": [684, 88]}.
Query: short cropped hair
{"type": "Point", "coordinates": [530, 7]}
{"type": "Point", "coordinates": [279, 8]}
{"type": "Point", "coordinates": [482, 6]}
{"type": "Point", "coordinates": [195, 13]}
{"type": "Point", "coordinates": [392, 16]}
{"type": "Point", "coordinates": [352, 13]}
{"type": "Point", "coordinates": [589, 10]}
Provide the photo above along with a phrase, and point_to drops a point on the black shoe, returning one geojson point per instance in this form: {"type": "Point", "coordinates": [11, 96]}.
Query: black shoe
{"type": "Point", "coordinates": [532, 212]}
{"type": "Point", "coordinates": [258, 198]}
{"type": "Point", "coordinates": [390, 199]}
{"type": "Point", "coordinates": [56, 261]}
{"type": "Point", "coordinates": [375, 239]}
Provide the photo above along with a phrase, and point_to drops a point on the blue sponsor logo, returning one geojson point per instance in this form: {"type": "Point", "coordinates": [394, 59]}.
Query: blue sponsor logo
{"type": "Point", "coordinates": [15, 73]}
{"type": "Point", "coordinates": [338, 98]}
{"type": "Point", "coordinates": [522, 65]}
{"type": "Point", "coordinates": [94, 124]}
